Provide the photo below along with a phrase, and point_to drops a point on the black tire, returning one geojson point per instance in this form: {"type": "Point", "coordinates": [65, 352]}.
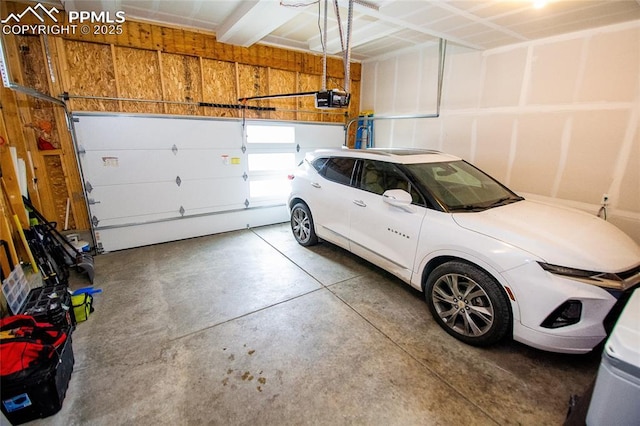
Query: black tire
{"type": "Point", "coordinates": [468, 303]}
{"type": "Point", "coordinates": [302, 225]}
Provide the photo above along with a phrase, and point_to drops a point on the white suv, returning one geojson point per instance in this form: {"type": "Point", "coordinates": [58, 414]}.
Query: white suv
{"type": "Point", "coordinates": [490, 263]}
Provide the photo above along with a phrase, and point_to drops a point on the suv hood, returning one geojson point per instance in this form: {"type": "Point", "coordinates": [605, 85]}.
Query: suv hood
{"type": "Point", "coordinates": [557, 235]}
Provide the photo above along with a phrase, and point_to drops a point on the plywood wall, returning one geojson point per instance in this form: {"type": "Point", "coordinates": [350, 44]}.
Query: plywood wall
{"type": "Point", "coordinates": [219, 85]}
{"type": "Point", "coordinates": [89, 70]}
{"type": "Point", "coordinates": [153, 70]}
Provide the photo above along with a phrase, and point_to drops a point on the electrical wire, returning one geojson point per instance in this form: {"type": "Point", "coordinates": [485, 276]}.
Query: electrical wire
{"type": "Point", "coordinates": [298, 4]}
{"type": "Point", "coordinates": [602, 213]}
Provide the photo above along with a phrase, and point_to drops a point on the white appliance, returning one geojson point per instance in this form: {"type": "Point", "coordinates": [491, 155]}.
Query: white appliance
{"type": "Point", "coordinates": [616, 396]}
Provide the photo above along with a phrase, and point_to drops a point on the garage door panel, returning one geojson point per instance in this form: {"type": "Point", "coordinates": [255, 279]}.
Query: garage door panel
{"type": "Point", "coordinates": [187, 227]}
{"type": "Point", "coordinates": [103, 132]}
{"type": "Point", "coordinates": [122, 167]}
{"type": "Point", "coordinates": [117, 167]}
{"type": "Point", "coordinates": [315, 137]}
{"type": "Point", "coordinates": [210, 163]}
{"type": "Point", "coordinates": [211, 134]}
{"type": "Point", "coordinates": [132, 221]}
{"type": "Point", "coordinates": [126, 202]}
{"type": "Point", "coordinates": [125, 132]}
{"type": "Point", "coordinates": [213, 194]}
{"type": "Point", "coordinates": [310, 137]}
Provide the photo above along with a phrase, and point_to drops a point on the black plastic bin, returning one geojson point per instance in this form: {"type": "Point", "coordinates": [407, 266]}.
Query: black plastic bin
{"type": "Point", "coordinates": [41, 393]}
{"type": "Point", "coordinates": [52, 305]}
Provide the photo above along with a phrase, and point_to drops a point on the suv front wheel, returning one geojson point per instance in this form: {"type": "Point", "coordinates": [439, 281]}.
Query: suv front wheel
{"type": "Point", "coordinates": [468, 303]}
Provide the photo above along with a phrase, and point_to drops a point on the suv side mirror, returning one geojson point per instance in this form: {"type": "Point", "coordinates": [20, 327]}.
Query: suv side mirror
{"type": "Point", "coordinates": [399, 198]}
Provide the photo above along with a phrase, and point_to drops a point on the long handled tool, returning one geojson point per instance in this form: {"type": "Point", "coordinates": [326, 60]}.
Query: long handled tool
{"type": "Point", "coordinates": [80, 260]}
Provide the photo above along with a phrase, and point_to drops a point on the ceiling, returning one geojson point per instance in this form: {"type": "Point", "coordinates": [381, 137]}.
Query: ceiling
{"type": "Point", "coordinates": [380, 27]}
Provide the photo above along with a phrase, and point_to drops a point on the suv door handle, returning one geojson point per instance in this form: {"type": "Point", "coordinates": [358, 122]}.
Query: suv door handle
{"type": "Point", "coordinates": [359, 203]}
{"type": "Point", "coordinates": [315, 184]}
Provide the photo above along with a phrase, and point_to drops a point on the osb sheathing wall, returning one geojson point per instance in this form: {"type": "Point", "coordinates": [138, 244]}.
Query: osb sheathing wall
{"type": "Point", "coordinates": [145, 62]}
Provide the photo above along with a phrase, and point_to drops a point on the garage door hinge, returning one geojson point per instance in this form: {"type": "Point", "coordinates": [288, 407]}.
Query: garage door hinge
{"type": "Point", "coordinates": [81, 150]}
{"type": "Point", "coordinates": [174, 149]}
{"type": "Point", "coordinates": [244, 149]}
{"type": "Point", "coordinates": [91, 201]}
{"type": "Point", "coordinates": [94, 221]}
{"type": "Point", "coordinates": [88, 187]}
{"type": "Point", "coordinates": [182, 210]}
{"type": "Point", "coordinates": [178, 180]}
{"type": "Point", "coordinates": [246, 203]}
{"type": "Point", "coordinates": [298, 148]}
{"type": "Point", "coordinates": [245, 176]}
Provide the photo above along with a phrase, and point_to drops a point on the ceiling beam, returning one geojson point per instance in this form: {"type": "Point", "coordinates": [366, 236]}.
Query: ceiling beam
{"type": "Point", "coordinates": [486, 22]}
{"type": "Point", "coordinates": [111, 6]}
{"type": "Point", "coordinates": [253, 20]}
{"type": "Point", "coordinates": [402, 24]}
{"type": "Point", "coordinates": [359, 36]}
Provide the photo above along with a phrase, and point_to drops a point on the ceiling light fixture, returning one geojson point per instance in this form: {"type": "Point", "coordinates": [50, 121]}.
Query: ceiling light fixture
{"type": "Point", "coordinates": [539, 4]}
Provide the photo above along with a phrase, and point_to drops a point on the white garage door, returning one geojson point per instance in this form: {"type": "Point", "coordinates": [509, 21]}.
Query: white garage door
{"type": "Point", "coordinates": [152, 179]}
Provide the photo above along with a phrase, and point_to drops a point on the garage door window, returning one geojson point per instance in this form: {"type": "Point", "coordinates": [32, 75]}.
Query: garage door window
{"type": "Point", "coordinates": [271, 161]}
{"type": "Point", "coordinates": [271, 134]}
{"type": "Point", "coordinates": [271, 157]}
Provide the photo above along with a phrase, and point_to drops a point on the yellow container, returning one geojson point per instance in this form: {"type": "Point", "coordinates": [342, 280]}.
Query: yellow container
{"type": "Point", "coordinates": [82, 306]}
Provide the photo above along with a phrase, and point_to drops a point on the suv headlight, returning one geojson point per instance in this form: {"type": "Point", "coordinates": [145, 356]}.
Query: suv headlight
{"type": "Point", "coordinates": [601, 279]}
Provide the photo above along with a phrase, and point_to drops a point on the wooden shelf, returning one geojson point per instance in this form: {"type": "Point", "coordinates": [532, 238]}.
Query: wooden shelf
{"type": "Point", "coordinates": [50, 152]}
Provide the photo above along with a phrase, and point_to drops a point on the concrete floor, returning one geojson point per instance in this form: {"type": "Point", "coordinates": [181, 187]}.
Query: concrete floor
{"type": "Point", "coordinates": [248, 327]}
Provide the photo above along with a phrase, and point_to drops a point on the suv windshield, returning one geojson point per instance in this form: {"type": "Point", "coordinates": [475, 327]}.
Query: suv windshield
{"type": "Point", "coordinates": [458, 186]}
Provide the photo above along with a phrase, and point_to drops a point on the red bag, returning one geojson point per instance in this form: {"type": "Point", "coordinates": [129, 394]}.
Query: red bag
{"type": "Point", "coordinates": [26, 344]}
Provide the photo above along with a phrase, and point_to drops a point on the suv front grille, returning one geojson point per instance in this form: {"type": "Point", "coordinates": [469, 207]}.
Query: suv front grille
{"type": "Point", "coordinates": [630, 273]}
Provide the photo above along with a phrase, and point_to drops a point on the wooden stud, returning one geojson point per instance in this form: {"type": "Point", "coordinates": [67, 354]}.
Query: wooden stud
{"type": "Point", "coordinates": [162, 86]}
{"type": "Point", "coordinates": [115, 75]}
{"type": "Point", "coordinates": [201, 99]}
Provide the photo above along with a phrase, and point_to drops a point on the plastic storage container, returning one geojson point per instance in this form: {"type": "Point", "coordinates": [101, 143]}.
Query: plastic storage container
{"type": "Point", "coordinates": [41, 393]}
{"type": "Point", "coordinates": [616, 396]}
{"type": "Point", "coordinates": [52, 305]}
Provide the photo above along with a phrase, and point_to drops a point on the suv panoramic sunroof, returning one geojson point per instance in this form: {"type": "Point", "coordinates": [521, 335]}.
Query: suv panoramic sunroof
{"type": "Point", "coordinates": [402, 151]}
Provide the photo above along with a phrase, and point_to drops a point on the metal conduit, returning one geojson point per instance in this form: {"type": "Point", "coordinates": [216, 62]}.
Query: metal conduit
{"type": "Point", "coordinates": [347, 55]}
{"type": "Point", "coordinates": [442, 51]}
{"type": "Point", "coordinates": [324, 46]}
{"type": "Point", "coordinates": [197, 104]}
{"type": "Point", "coordinates": [34, 93]}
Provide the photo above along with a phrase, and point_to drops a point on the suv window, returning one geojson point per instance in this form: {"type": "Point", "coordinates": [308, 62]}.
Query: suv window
{"type": "Point", "coordinates": [319, 164]}
{"type": "Point", "coordinates": [379, 176]}
{"type": "Point", "coordinates": [336, 169]}
{"type": "Point", "coordinates": [457, 185]}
